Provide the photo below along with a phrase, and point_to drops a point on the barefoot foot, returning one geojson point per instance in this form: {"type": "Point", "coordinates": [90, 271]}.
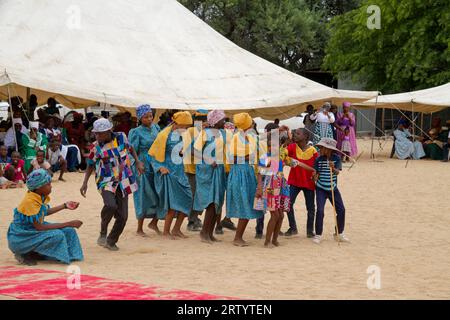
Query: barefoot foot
{"type": "Point", "coordinates": [154, 227]}
{"type": "Point", "coordinates": [179, 234]}
{"type": "Point", "coordinates": [240, 243]}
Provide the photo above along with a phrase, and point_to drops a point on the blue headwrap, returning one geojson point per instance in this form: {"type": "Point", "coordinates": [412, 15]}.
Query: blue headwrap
{"type": "Point", "coordinates": [403, 122]}
{"type": "Point", "coordinates": [37, 179]}
{"type": "Point", "coordinates": [142, 110]}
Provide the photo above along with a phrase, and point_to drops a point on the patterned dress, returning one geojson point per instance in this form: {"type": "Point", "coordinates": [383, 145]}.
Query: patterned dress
{"type": "Point", "coordinates": [57, 244]}
{"type": "Point", "coordinates": [275, 187]}
{"type": "Point", "coordinates": [173, 189]}
{"type": "Point", "coordinates": [146, 198]}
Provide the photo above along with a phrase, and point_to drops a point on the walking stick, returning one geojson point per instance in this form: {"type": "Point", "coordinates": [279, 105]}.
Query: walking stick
{"type": "Point", "coordinates": [334, 205]}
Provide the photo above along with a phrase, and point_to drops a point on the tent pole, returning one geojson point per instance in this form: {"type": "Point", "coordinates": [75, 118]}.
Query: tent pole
{"type": "Point", "coordinates": [372, 155]}
{"type": "Point", "coordinates": [12, 115]}
{"type": "Point", "coordinates": [30, 116]}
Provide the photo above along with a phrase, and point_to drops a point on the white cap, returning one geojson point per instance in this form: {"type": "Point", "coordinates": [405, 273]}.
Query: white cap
{"type": "Point", "coordinates": [102, 125]}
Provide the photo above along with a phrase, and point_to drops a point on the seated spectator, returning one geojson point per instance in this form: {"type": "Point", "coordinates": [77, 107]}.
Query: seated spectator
{"type": "Point", "coordinates": [31, 143]}
{"type": "Point", "coordinates": [56, 160]}
{"type": "Point", "coordinates": [4, 158]}
{"type": "Point", "coordinates": [434, 144]}
{"type": "Point", "coordinates": [39, 162]}
{"type": "Point", "coordinates": [10, 139]}
{"type": "Point", "coordinates": [5, 183]}
{"type": "Point", "coordinates": [446, 146]}
{"type": "Point", "coordinates": [17, 164]}
{"type": "Point", "coordinates": [405, 147]}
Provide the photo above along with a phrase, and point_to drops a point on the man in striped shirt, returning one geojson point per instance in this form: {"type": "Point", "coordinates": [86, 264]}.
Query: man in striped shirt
{"type": "Point", "coordinates": [328, 163]}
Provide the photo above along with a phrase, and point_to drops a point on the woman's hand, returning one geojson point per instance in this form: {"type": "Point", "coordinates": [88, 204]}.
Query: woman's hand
{"type": "Point", "coordinates": [140, 167]}
{"type": "Point", "coordinates": [75, 224]}
{"type": "Point", "coordinates": [83, 189]}
{"type": "Point", "coordinates": [72, 205]}
{"type": "Point", "coordinates": [258, 192]}
{"type": "Point", "coordinates": [164, 171]}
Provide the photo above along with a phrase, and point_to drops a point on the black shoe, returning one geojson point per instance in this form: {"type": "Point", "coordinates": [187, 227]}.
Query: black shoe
{"type": "Point", "coordinates": [101, 241]}
{"type": "Point", "coordinates": [198, 224]}
{"type": "Point", "coordinates": [290, 232]}
{"type": "Point", "coordinates": [219, 231]}
{"type": "Point", "coordinates": [228, 224]}
{"type": "Point", "coordinates": [193, 227]}
{"type": "Point", "coordinates": [258, 236]}
{"type": "Point", "coordinates": [111, 247]}
{"type": "Point", "coordinates": [310, 234]}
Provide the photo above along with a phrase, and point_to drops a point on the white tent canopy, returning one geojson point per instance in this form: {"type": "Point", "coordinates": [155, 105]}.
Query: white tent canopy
{"type": "Point", "coordinates": [128, 52]}
{"type": "Point", "coordinates": [426, 101]}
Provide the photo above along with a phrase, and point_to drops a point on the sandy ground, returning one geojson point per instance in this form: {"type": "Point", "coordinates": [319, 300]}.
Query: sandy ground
{"type": "Point", "coordinates": [397, 218]}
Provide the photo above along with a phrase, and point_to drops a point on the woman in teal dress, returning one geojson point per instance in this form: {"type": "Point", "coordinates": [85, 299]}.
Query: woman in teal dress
{"type": "Point", "coordinates": [242, 182]}
{"type": "Point", "coordinates": [171, 183]}
{"type": "Point", "coordinates": [210, 173]}
{"type": "Point", "coordinates": [30, 238]}
{"type": "Point", "coordinates": [146, 198]}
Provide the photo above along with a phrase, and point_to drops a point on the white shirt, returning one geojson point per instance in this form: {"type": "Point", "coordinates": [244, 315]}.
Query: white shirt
{"type": "Point", "coordinates": [321, 117]}
{"type": "Point", "coordinates": [10, 141]}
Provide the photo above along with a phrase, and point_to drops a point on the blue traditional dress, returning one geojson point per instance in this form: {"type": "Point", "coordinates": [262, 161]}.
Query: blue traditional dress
{"type": "Point", "coordinates": [242, 182]}
{"type": "Point", "coordinates": [173, 189]}
{"type": "Point", "coordinates": [57, 244]}
{"type": "Point", "coordinates": [405, 148]}
{"type": "Point", "coordinates": [145, 198]}
{"type": "Point", "coordinates": [210, 181]}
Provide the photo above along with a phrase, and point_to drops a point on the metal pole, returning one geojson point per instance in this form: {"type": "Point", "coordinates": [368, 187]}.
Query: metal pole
{"type": "Point", "coordinates": [12, 115]}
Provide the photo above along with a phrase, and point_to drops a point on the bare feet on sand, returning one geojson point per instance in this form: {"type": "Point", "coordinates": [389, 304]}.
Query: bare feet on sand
{"type": "Point", "coordinates": [240, 243]}
{"type": "Point", "coordinates": [141, 234]}
{"type": "Point", "coordinates": [169, 236]}
{"type": "Point", "coordinates": [154, 227]}
{"type": "Point", "coordinates": [179, 234]}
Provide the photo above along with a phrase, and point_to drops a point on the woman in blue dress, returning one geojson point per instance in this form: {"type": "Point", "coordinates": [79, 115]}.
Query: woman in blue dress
{"type": "Point", "coordinates": [210, 173]}
{"type": "Point", "coordinates": [30, 238]}
{"type": "Point", "coordinates": [146, 198]}
{"type": "Point", "coordinates": [171, 183]}
{"type": "Point", "coordinates": [242, 182]}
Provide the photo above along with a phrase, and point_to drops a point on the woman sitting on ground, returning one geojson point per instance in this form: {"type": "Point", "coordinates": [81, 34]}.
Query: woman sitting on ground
{"type": "Point", "coordinates": [30, 238]}
{"type": "Point", "coordinates": [405, 146]}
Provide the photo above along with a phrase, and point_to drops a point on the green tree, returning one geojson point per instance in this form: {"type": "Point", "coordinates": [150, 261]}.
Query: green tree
{"type": "Point", "coordinates": [285, 32]}
{"type": "Point", "coordinates": [410, 51]}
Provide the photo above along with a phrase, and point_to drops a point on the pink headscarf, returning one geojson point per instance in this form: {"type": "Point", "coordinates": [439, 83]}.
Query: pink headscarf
{"type": "Point", "coordinates": [347, 104]}
{"type": "Point", "coordinates": [215, 116]}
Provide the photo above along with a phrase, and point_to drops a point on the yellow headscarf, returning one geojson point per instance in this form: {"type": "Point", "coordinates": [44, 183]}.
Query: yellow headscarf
{"type": "Point", "coordinates": [243, 121]}
{"type": "Point", "coordinates": [158, 148]}
{"type": "Point", "coordinates": [182, 118]}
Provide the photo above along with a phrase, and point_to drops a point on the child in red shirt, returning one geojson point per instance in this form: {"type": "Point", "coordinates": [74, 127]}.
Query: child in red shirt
{"type": "Point", "coordinates": [301, 180]}
{"type": "Point", "coordinates": [18, 164]}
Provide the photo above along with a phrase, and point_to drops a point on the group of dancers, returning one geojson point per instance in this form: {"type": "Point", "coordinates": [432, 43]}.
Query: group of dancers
{"type": "Point", "coordinates": [234, 168]}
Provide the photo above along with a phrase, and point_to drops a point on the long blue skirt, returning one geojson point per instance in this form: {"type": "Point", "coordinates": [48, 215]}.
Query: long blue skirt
{"type": "Point", "coordinates": [173, 193]}
{"type": "Point", "coordinates": [241, 189]}
{"type": "Point", "coordinates": [210, 187]}
{"type": "Point", "coordinates": [145, 198]}
{"type": "Point", "coordinates": [58, 244]}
